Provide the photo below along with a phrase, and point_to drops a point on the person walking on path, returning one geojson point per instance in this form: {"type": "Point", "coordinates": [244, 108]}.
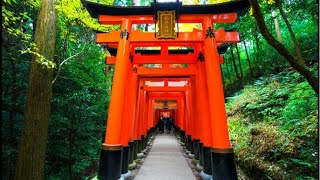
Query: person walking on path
{"type": "Point", "coordinates": [169, 124]}
{"type": "Point", "coordinates": [161, 125]}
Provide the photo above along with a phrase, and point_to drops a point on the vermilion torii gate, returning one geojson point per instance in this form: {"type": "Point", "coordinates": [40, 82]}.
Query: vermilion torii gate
{"type": "Point", "coordinates": [200, 116]}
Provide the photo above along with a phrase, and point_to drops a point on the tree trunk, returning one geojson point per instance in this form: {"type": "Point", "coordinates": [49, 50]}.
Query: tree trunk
{"type": "Point", "coordinates": [277, 27]}
{"type": "Point", "coordinates": [295, 63]}
{"type": "Point", "coordinates": [256, 38]}
{"type": "Point", "coordinates": [248, 59]}
{"type": "Point", "coordinates": [240, 66]}
{"type": "Point", "coordinates": [235, 66]}
{"type": "Point", "coordinates": [222, 75]}
{"type": "Point", "coordinates": [12, 138]}
{"type": "Point", "coordinates": [293, 37]}
{"type": "Point", "coordinates": [31, 156]}
{"type": "Point", "coordinates": [228, 72]}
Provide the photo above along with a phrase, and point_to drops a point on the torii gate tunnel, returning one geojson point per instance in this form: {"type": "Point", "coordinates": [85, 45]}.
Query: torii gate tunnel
{"type": "Point", "coordinates": [192, 93]}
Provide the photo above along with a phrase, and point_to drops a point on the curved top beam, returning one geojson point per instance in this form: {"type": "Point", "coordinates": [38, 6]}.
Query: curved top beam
{"type": "Point", "coordinates": [96, 9]}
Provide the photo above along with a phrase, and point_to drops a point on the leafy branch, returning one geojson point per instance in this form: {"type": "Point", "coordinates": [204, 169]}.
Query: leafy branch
{"type": "Point", "coordinates": [64, 61]}
{"type": "Point", "coordinates": [46, 63]}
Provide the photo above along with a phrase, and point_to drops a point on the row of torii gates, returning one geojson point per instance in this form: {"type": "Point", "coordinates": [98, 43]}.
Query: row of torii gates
{"type": "Point", "coordinates": [194, 91]}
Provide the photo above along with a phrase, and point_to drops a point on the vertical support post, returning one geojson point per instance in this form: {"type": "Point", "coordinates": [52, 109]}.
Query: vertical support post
{"type": "Point", "coordinates": [223, 165]}
{"type": "Point", "coordinates": [196, 121]}
{"type": "Point", "coordinates": [157, 116]}
{"type": "Point", "coordinates": [140, 117]}
{"type": "Point", "coordinates": [144, 118]}
{"type": "Point", "coordinates": [136, 132]}
{"type": "Point", "coordinates": [206, 136]}
{"type": "Point", "coordinates": [187, 120]}
{"type": "Point", "coordinates": [133, 100]}
{"type": "Point", "coordinates": [111, 153]}
{"type": "Point", "coordinates": [150, 114]}
{"type": "Point", "coordinates": [130, 112]}
{"type": "Point", "coordinates": [182, 116]}
{"type": "Point", "coordinates": [127, 108]}
{"type": "Point", "coordinates": [191, 120]}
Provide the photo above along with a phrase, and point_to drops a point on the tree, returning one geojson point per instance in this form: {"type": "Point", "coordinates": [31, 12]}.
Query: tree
{"type": "Point", "coordinates": [295, 62]}
{"type": "Point", "coordinates": [248, 59]}
{"type": "Point", "coordinates": [239, 61]}
{"type": "Point", "coordinates": [31, 156]}
{"type": "Point", "coordinates": [235, 67]}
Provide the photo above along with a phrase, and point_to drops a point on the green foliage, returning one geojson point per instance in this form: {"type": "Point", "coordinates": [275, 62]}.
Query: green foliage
{"type": "Point", "coordinates": [78, 107]}
{"type": "Point", "coordinates": [78, 117]}
{"type": "Point", "coordinates": [73, 13]}
{"type": "Point", "coordinates": [17, 30]}
{"type": "Point", "coordinates": [273, 127]}
{"type": "Point", "coordinates": [80, 98]}
{"type": "Point", "coordinates": [264, 59]}
{"type": "Point", "coordinates": [46, 63]}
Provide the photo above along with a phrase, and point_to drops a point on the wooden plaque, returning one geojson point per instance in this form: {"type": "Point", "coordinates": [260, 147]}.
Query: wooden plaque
{"type": "Point", "coordinates": [166, 24]}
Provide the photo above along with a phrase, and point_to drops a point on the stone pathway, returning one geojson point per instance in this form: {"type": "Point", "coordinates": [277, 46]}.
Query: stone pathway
{"type": "Point", "coordinates": [165, 161]}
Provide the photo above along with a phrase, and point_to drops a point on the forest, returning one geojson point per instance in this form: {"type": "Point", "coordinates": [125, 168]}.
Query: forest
{"type": "Point", "coordinates": [270, 82]}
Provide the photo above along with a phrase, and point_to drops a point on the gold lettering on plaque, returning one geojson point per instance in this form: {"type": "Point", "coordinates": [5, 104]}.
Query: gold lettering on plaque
{"type": "Point", "coordinates": [166, 24]}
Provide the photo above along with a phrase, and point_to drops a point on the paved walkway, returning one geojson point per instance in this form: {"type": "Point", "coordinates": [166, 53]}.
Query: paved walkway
{"type": "Point", "coordinates": [165, 161]}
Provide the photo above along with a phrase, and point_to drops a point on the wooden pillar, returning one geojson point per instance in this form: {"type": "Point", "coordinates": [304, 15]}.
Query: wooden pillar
{"type": "Point", "coordinates": [150, 113]}
{"type": "Point", "coordinates": [223, 165]}
{"type": "Point", "coordinates": [195, 113]}
{"type": "Point", "coordinates": [128, 107]}
{"type": "Point", "coordinates": [206, 136]}
{"type": "Point", "coordinates": [140, 112]}
{"type": "Point", "coordinates": [178, 115]}
{"type": "Point", "coordinates": [136, 115]}
{"type": "Point", "coordinates": [188, 122]}
{"type": "Point", "coordinates": [133, 100]}
{"type": "Point", "coordinates": [215, 91]}
{"type": "Point", "coordinates": [129, 115]}
{"type": "Point", "coordinates": [157, 116]}
{"type": "Point", "coordinates": [113, 130]}
{"type": "Point", "coordinates": [191, 112]}
{"type": "Point", "coordinates": [187, 114]}
{"type": "Point", "coordinates": [145, 114]}
{"type": "Point", "coordinates": [182, 114]}
{"type": "Point", "coordinates": [111, 153]}
{"type": "Point", "coordinates": [203, 109]}
{"type": "Point", "coordinates": [196, 122]}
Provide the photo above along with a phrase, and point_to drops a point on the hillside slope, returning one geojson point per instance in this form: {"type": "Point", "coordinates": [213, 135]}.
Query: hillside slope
{"type": "Point", "coordinates": [273, 127]}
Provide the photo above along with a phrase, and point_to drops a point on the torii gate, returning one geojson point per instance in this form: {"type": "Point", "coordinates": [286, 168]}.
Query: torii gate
{"type": "Point", "coordinates": [129, 106]}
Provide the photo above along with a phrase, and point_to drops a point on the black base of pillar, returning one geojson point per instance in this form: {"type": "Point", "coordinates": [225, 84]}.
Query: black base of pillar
{"type": "Point", "coordinates": [188, 144]}
{"type": "Point", "coordinates": [145, 142]}
{"type": "Point", "coordinates": [191, 147]}
{"type": "Point", "coordinates": [131, 152]}
{"type": "Point", "coordinates": [148, 135]}
{"type": "Point", "coordinates": [184, 138]}
{"type": "Point", "coordinates": [196, 148]}
{"type": "Point", "coordinates": [180, 134]}
{"type": "Point", "coordinates": [110, 163]}
{"type": "Point", "coordinates": [207, 160]}
{"type": "Point", "coordinates": [139, 146]}
{"type": "Point", "coordinates": [223, 164]}
{"type": "Point", "coordinates": [125, 160]}
{"type": "Point", "coordinates": [201, 153]}
{"type": "Point", "coordinates": [135, 149]}
{"type": "Point", "coordinates": [143, 139]}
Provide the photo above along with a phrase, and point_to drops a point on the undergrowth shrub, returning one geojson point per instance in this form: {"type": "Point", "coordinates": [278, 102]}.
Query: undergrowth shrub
{"type": "Point", "coordinates": [273, 128]}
